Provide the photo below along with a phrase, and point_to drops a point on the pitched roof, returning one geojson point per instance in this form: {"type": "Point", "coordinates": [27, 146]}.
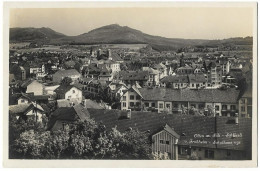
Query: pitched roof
{"type": "Point", "coordinates": [188, 95]}
{"type": "Point", "coordinates": [175, 79]}
{"type": "Point", "coordinates": [133, 75]}
{"type": "Point", "coordinates": [20, 109]}
{"type": "Point", "coordinates": [92, 104]}
{"type": "Point", "coordinates": [197, 78]}
{"type": "Point", "coordinates": [65, 88]}
{"type": "Point", "coordinates": [66, 73]}
{"type": "Point", "coordinates": [69, 114]}
{"type": "Point", "coordinates": [184, 125]}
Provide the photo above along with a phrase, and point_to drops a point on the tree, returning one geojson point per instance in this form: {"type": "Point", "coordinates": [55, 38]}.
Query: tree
{"type": "Point", "coordinates": [66, 81]}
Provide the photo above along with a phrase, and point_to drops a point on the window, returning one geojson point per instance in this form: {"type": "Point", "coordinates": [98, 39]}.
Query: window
{"type": "Point", "coordinates": [124, 104]}
{"type": "Point", "coordinates": [160, 105]}
{"type": "Point", "coordinates": [138, 97]}
{"type": "Point", "coordinates": [201, 106]}
{"type": "Point", "coordinates": [153, 104]}
{"type": "Point", "coordinates": [243, 101]}
{"type": "Point", "coordinates": [168, 106]}
{"type": "Point", "coordinates": [233, 107]}
{"type": "Point", "coordinates": [132, 97]}
{"type": "Point", "coordinates": [124, 98]}
{"type": "Point", "coordinates": [146, 104]}
{"type": "Point", "coordinates": [161, 142]}
{"type": "Point", "coordinates": [175, 105]}
{"type": "Point", "coordinates": [73, 91]}
{"type": "Point", "coordinates": [243, 109]}
{"type": "Point", "coordinates": [217, 107]}
{"type": "Point", "coordinates": [209, 154]}
{"type": "Point", "coordinates": [167, 142]}
{"type": "Point", "coordinates": [224, 107]}
{"type": "Point", "coordinates": [137, 103]}
{"type": "Point", "coordinates": [132, 104]}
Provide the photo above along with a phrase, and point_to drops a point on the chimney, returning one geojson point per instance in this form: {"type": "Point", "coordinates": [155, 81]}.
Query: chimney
{"type": "Point", "coordinates": [236, 118]}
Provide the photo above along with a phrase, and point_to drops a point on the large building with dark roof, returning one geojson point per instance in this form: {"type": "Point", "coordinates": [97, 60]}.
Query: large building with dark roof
{"type": "Point", "coordinates": [224, 102]}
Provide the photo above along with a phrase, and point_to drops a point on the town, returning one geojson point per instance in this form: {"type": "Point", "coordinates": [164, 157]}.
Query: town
{"type": "Point", "coordinates": [167, 95]}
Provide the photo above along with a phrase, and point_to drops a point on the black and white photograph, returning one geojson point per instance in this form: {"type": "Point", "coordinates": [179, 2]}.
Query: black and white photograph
{"type": "Point", "coordinates": [128, 83]}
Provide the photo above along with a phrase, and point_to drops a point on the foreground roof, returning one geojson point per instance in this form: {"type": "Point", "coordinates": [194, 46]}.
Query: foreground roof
{"type": "Point", "coordinates": [184, 125]}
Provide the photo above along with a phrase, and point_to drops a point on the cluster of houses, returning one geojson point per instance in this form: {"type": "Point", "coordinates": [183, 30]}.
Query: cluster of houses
{"type": "Point", "coordinates": [159, 98]}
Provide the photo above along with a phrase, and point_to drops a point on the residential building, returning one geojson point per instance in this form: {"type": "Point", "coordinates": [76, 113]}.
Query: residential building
{"type": "Point", "coordinates": [154, 76]}
{"type": "Point", "coordinates": [69, 92]}
{"type": "Point", "coordinates": [61, 74]}
{"type": "Point", "coordinates": [35, 87]}
{"type": "Point", "coordinates": [245, 103]}
{"type": "Point", "coordinates": [131, 99]}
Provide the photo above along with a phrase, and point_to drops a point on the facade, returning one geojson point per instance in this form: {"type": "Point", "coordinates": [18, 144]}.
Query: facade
{"type": "Point", "coordinates": [245, 103]}
{"type": "Point", "coordinates": [172, 101]}
{"type": "Point", "coordinates": [131, 99]}
{"type": "Point", "coordinates": [23, 73]}
{"type": "Point", "coordinates": [35, 87]}
{"type": "Point", "coordinates": [69, 92]}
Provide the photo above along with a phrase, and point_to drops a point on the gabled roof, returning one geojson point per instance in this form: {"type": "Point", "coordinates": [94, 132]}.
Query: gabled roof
{"type": "Point", "coordinates": [65, 88]}
{"type": "Point", "coordinates": [20, 109]}
{"type": "Point", "coordinates": [68, 114]}
{"type": "Point", "coordinates": [66, 73]}
{"type": "Point", "coordinates": [188, 95]}
{"type": "Point", "coordinates": [175, 79]}
{"type": "Point", "coordinates": [184, 125]}
{"type": "Point", "coordinates": [133, 75]}
{"type": "Point", "coordinates": [168, 129]}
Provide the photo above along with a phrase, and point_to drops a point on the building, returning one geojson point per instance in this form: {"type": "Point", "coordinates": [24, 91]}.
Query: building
{"type": "Point", "coordinates": [181, 137]}
{"type": "Point", "coordinates": [175, 81]}
{"type": "Point", "coordinates": [69, 92]}
{"type": "Point", "coordinates": [35, 87]}
{"type": "Point", "coordinates": [245, 103]}
{"type": "Point", "coordinates": [23, 73]}
{"type": "Point", "coordinates": [154, 76]}
{"type": "Point", "coordinates": [130, 78]}
{"type": "Point", "coordinates": [197, 81]}
{"type": "Point", "coordinates": [223, 102]}
{"type": "Point", "coordinates": [131, 99]}
{"type": "Point", "coordinates": [61, 74]}
{"type": "Point", "coordinates": [27, 110]}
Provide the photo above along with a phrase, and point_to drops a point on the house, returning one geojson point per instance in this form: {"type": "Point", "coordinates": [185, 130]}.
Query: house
{"type": "Point", "coordinates": [35, 87]}
{"type": "Point", "coordinates": [28, 110]}
{"type": "Point", "coordinates": [130, 78]}
{"type": "Point", "coordinates": [37, 68]}
{"type": "Point", "coordinates": [162, 70]}
{"type": "Point", "coordinates": [185, 70]}
{"type": "Point", "coordinates": [175, 81]}
{"type": "Point", "coordinates": [131, 99]}
{"type": "Point", "coordinates": [67, 115]}
{"type": "Point", "coordinates": [71, 73]}
{"type": "Point", "coordinates": [245, 103]}
{"type": "Point", "coordinates": [196, 81]}
{"type": "Point", "coordinates": [69, 92]}
{"type": "Point", "coordinates": [154, 76]}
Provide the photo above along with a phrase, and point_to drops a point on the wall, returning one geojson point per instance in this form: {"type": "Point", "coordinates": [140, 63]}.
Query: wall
{"type": "Point", "coordinates": [158, 147]}
{"type": "Point", "coordinates": [74, 93]}
{"type": "Point", "coordinates": [35, 87]}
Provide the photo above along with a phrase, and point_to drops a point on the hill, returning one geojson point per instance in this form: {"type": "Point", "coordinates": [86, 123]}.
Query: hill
{"type": "Point", "coordinates": [116, 34]}
{"type": "Point", "coordinates": [33, 34]}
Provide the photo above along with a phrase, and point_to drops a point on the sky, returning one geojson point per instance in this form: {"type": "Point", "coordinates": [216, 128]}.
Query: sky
{"type": "Point", "coordinates": [172, 22]}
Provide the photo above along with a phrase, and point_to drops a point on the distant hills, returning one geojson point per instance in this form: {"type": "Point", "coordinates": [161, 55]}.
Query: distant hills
{"type": "Point", "coordinates": [33, 34]}
{"type": "Point", "coordinates": [116, 34]}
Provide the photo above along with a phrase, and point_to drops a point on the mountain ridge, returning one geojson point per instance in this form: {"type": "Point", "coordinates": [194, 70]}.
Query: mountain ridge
{"type": "Point", "coordinates": [116, 34]}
